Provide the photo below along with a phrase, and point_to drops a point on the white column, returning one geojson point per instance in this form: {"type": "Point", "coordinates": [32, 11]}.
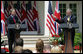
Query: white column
{"type": "Point", "coordinates": [46, 30]}
{"type": "Point", "coordinates": [79, 13]}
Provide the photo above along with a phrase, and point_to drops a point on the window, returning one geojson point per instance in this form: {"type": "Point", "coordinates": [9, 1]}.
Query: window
{"type": "Point", "coordinates": [62, 8]}
{"type": "Point", "coordinates": [73, 7]}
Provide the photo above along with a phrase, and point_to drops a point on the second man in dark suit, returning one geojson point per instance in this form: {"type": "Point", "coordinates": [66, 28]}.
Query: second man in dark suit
{"type": "Point", "coordinates": [12, 19]}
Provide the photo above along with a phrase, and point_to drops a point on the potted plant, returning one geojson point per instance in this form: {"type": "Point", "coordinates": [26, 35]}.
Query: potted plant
{"type": "Point", "coordinates": [55, 40]}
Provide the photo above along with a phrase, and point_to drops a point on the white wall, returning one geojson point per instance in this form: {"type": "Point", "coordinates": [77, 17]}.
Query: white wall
{"type": "Point", "coordinates": [79, 19]}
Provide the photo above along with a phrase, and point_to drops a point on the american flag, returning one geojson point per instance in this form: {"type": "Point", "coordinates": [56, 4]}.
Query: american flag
{"type": "Point", "coordinates": [18, 10]}
{"type": "Point", "coordinates": [30, 17]}
{"type": "Point", "coordinates": [50, 20]}
{"type": "Point", "coordinates": [51, 23]}
{"type": "Point", "coordinates": [6, 13]}
{"type": "Point", "coordinates": [35, 18]}
{"type": "Point", "coordinates": [25, 13]}
{"type": "Point", "coordinates": [10, 6]}
{"type": "Point", "coordinates": [2, 19]}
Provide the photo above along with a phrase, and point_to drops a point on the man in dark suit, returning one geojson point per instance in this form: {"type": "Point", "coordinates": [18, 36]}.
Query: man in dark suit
{"type": "Point", "coordinates": [12, 19]}
{"type": "Point", "coordinates": [72, 19]}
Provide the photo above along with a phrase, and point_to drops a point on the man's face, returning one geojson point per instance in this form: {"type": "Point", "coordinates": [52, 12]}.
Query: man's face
{"type": "Point", "coordinates": [13, 13]}
{"type": "Point", "coordinates": [68, 13]}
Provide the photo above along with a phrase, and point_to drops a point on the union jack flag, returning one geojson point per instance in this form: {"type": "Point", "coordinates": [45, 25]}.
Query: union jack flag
{"type": "Point", "coordinates": [2, 19]}
{"type": "Point", "coordinates": [57, 14]}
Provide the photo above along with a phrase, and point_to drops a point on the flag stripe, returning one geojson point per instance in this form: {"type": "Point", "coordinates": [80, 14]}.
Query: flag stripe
{"type": "Point", "coordinates": [18, 13]}
{"type": "Point", "coordinates": [49, 29]}
{"type": "Point", "coordinates": [30, 15]}
{"type": "Point", "coordinates": [30, 26]}
{"type": "Point", "coordinates": [30, 21]}
{"type": "Point", "coordinates": [6, 13]}
{"type": "Point", "coordinates": [51, 26]}
{"type": "Point", "coordinates": [50, 19]}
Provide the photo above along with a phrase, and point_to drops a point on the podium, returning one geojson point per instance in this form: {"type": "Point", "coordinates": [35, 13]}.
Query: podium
{"type": "Point", "coordinates": [68, 42]}
{"type": "Point", "coordinates": [17, 28]}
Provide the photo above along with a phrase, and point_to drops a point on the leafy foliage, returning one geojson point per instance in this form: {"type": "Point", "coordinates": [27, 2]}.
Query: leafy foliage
{"type": "Point", "coordinates": [77, 39]}
{"type": "Point", "coordinates": [60, 39]}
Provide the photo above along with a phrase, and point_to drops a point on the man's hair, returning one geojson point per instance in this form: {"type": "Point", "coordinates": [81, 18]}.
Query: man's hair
{"type": "Point", "coordinates": [18, 49]}
{"type": "Point", "coordinates": [11, 10]}
{"type": "Point", "coordinates": [27, 51]}
{"type": "Point", "coordinates": [19, 42]}
{"type": "Point", "coordinates": [69, 10]}
{"type": "Point", "coordinates": [56, 49]}
{"type": "Point", "coordinates": [39, 45]}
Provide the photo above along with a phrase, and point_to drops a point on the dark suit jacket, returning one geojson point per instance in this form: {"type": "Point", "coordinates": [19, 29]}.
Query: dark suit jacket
{"type": "Point", "coordinates": [11, 21]}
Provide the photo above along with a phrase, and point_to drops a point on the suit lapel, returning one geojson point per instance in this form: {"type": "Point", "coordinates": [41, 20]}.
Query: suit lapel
{"type": "Point", "coordinates": [66, 18]}
{"type": "Point", "coordinates": [71, 16]}
{"type": "Point", "coordinates": [12, 19]}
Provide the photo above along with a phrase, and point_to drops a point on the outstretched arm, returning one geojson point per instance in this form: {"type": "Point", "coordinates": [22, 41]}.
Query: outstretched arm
{"type": "Point", "coordinates": [59, 21]}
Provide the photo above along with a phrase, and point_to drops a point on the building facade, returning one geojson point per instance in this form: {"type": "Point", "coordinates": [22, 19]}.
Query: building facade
{"type": "Point", "coordinates": [30, 37]}
{"type": "Point", "coordinates": [42, 6]}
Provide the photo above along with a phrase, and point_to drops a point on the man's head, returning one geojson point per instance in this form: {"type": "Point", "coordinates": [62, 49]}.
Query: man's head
{"type": "Point", "coordinates": [19, 42]}
{"type": "Point", "coordinates": [39, 45]}
{"type": "Point", "coordinates": [47, 49]}
{"type": "Point", "coordinates": [68, 12]}
{"type": "Point", "coordinates": [12, 12]}
{"type": "Point", "coordinates": [18, 49]}
{"type": "Point", "coordinates": [56, 49]}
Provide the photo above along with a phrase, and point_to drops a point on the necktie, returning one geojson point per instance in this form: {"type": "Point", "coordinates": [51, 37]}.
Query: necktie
{"type": "Point", "coordinates": [14, 20]}
{"type": "Point", "coordinates": [68, 19]}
